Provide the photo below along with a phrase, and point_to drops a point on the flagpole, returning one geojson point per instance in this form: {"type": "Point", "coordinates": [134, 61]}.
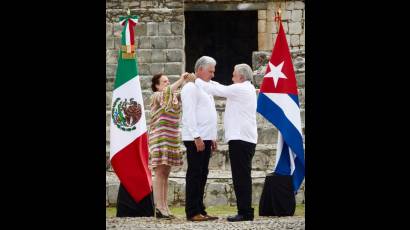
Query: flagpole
{"type": "Point", "coordinates": [278, 17]}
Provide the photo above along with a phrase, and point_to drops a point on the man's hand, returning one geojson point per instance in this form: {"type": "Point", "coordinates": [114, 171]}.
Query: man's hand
{"type": "Point", "coordinates": [200, 145]}
{"type": "Point", "coordinates": [214, 146]}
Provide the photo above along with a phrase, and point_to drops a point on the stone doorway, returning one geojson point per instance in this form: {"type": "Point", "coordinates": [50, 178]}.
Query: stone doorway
{"type": "Point", "coordinates": [228, 36]}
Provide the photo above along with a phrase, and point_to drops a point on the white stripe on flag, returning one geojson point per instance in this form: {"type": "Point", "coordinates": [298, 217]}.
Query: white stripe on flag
{"type": "Point", "coordinates": [292, 157]}
{"type": "Point", "coordinates": [279, 148]}
{"type": "Point", "coordinates": [289, 107]}
{"type": "Point", "coordinates": [121, 139]}
{"type": "Point", "coordinates": [127, 37]}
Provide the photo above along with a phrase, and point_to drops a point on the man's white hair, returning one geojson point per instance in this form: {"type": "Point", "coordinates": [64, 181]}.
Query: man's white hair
{"type": "Point", "coordinates": [244, 70]}
{"type": "Point", "coordinates": [204, 61]}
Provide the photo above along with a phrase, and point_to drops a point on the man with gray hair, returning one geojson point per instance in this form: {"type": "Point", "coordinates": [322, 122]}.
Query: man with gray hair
{"type": "Point", "coordinates": [240, 133]}
{"type": "Point", "coordinates": [199, 133]}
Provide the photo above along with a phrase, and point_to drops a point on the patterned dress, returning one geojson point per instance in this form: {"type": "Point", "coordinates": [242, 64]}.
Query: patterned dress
{"type": "Point", "coordinates": [164, 135]}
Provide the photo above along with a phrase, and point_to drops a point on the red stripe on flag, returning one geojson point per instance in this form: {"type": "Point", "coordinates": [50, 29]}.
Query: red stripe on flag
{"type": "Point", "coordinates": [131, 166]}
{"type": "Point", "coordinates": [131, 24]}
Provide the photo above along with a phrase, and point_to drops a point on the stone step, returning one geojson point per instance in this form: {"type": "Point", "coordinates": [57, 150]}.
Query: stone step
{"type": "Point", "coordinates": [218, 189]}
{"type": "Point", "coordinates": [263, 160]}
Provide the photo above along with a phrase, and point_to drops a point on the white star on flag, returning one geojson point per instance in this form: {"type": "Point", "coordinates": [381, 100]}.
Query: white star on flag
{"type": "Point", "coordinates": [276, 72]}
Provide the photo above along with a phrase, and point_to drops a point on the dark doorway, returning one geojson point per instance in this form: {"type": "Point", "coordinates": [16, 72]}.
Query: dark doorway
{"type": "Point", "coordinates": [228, 36]}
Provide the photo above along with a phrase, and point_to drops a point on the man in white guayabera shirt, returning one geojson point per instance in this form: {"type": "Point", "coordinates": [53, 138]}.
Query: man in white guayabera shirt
{"type": "Point", "coordinates": [240, 133]}
{"type": "Point", "coordinates": [199, 133]}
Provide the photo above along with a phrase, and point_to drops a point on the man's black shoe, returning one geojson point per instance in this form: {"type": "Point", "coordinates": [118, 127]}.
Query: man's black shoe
{"type": "Point", "coordinates": [239, 218]}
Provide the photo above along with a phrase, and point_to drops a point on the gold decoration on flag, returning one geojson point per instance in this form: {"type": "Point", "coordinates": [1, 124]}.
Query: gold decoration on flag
{"type": "Point", "coordinates": [128, 52]}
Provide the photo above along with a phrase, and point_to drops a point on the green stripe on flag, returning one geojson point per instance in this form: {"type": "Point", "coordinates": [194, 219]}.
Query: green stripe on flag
{"type": "Point", "coordinates": [127, 68]}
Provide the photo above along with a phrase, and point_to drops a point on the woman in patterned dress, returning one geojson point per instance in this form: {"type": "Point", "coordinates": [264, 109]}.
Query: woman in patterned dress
{"type": "Point", "coordinates": [164, 135]}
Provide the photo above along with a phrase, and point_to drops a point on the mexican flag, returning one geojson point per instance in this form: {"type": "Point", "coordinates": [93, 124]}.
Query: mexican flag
{"type": "Point", "coordinates": [128, 131]}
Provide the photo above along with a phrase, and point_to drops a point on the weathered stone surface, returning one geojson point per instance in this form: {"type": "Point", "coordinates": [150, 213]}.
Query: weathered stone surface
{"type": "Point", "coordinates": [144, 55]}
{"type": "Point", "coordinates": [174, 55]}
{"type": "Point", "coordinates": [109, 29]}
{"type": "Point", "coordinates": [217, 161]}
{"type": "Point", "coordinates": [261, 26]}
{"type": "Point", "coordinates": [164, 28]}
{"type": "Point", "coordinates": [215, 194]}
{"type": "Point", "coordinates": [158, 43]}
{"type": "Point", "coordinates": [112, 193]}
{"type": "Point", "coordinates": [261, 14]}
{"type": "Point", "coordinates": [177, 28]}
{"type": "Point", "coordinates": [173, 68]}
{"type": "Point", "coordinates": [299, 5]}
{"type": "Point", "coordinates": [286, 14]}
{"type": "Point", "coordinates": [109, 42]}
{"type": "Point", "coordinates": [111, 56]}
{"type": "Point", "coordinates": [156, 68]}
{"type": "Point", "coordinates": [295, 28]}
{"type": "Point", "coordinates": [158, 55]}
{"type": "Point", "coordinates": [290, 5]}
{"type": "Point", "coordinates": [144, 69]}
{"type": "Point", "coordinates": [302, 39]}
{"type": "Point", "coordinates": [175, 42]}
{"type": "Point", "coordinates": [264, 159]}
{"type": "Point", "coordinates": [296, 15]}
{"type": "Point", "coordinates": [257, 188]}
{"type": "Point", "coordinates": [267, 135]}
{"type": "Point", "coordinates": [141, 29]}
{"type": "Point", "coordinates": [294, 40]}
{"type": "Point", "coordinates": [144, 42]}
{"type": "Point", "coordinates": [152, 29]}
{"type": "Point", "coordinates": [110, 69]}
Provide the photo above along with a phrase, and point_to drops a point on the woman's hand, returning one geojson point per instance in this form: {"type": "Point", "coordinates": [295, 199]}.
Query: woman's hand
{"type": "Point", "coordinates": [184, 76]}
{"type": "Point", "coordinates": [190, 77]}
{"type": "Point", "coordinates": [178, 83]}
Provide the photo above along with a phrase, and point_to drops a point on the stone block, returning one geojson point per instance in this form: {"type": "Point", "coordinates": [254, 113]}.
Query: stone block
{"type": "Point", "coordinates": [174, 55]}
{"type": "Point", "coordinates": [152, 29]}
{"type": "Point", "coordinates": [164, 28]}
{"type": "Point", "coordinates": [175, 42]}
{"type": "Point", "coordinates": [158, 55]}
{"type": "Point", "coordinates": [177, 28]}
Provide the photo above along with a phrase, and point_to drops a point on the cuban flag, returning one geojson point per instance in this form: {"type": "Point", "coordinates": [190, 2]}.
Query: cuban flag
{"type": "Point", "coordinates": [278, 102]}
